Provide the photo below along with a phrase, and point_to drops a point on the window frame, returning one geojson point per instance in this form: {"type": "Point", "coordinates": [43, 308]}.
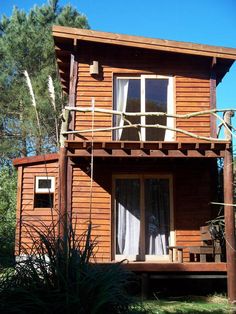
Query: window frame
{"type": "Point", "coordinates": [45, 191]}
{"type": "Point", "coordinates": [169, 134]}
{"type": "Point", "coordinates": [142, 256]}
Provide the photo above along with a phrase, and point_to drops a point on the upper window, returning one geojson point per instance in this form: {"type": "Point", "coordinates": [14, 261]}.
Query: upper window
{"type": "Point", "coordinates": [44, 192]}
{"type": "Point", "coordinates": [146, 93]}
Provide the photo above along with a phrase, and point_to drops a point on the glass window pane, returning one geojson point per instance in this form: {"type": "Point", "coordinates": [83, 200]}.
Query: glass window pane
{"type": "Point", "coordinates": [127, 100]}
{"type": "Point", "coordinates": [43, 200]}
{"type": "Point", "coordinates": [127, 197]}
{"type": "Point", "coordinates": [157, 216]}
{"type": "Point", "coordinates": [156, 101]}
{"type": "Point", "coordinates": [44, 184]}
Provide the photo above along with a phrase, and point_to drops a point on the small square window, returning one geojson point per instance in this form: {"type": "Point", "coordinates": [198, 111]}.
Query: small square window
{"type": "Point", "coordinates": [45, 184]}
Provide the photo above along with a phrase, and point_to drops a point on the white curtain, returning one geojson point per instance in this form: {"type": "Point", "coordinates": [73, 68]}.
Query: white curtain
{"type": "Point", "coordinates": [157, 216]}
{"type": "Point", "coordinates": [122, 86]}
{"type": "Point", "coordinates": [157, 244]}
{"type": "Point", "coordinates": [128, 232]}
{"type": "Point", "coordinates": [128, 217]}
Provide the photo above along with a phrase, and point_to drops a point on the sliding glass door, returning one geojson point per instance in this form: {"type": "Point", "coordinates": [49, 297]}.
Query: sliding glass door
{"type": "Point", "coordinates": [142, 217]}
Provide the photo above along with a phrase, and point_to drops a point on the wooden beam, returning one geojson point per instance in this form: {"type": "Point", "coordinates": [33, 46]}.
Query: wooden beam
{"type": "Point", "coordinates": [120, 153]}
{"type": "Point", "coordinates": [213, 97]}
{"type": "Point", "coordinates": [219, 145]}
{"type": "Point", "coordinates": [35, 159]}
{"type": "Point", "coordinates": [175, 267]}
{"type": "Point", "coordinates": [147, 149]}
{"type": "Point", "coordinates": [69, 188]}
{"type": "Point", "coordinates": [73, 88]}
{"type": "Point", "coordinates": [69, 33]}
{"type": "Point", "coordinates": [62, 194]}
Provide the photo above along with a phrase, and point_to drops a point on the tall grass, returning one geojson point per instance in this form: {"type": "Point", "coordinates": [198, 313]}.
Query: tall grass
{"type": "Point", "coordinates": [57, 277]}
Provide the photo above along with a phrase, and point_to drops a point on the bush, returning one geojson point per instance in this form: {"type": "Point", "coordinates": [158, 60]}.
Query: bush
{"type": "Point", "coordinates": [8, 184]}
{"type": "Point", "coordinates": [58, 278]}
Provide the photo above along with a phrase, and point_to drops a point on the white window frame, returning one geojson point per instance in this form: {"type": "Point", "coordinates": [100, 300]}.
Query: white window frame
{"type": "Point", "coordinates": [169, 134]}
{"type": "Point", "coordinates": [44, 190]}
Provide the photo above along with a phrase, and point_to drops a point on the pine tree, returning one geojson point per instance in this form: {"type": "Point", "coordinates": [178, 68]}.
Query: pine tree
{"type": "Point", "coordinates": [26, 43]}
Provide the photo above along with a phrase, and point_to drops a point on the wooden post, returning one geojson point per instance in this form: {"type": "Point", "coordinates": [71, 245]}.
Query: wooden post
{"type": "Point", "coordinates": [144, 286]}
{"type": "Point", "coordinates": [213, 97]}
{"type": "Point", "coordinates": [65, 167]}
{"type": "Point", "coordinates": [62, 191]}
{"type": "Point", "coordinates": [62, 194]}
{"type": "Point", "coordinates": [71, 122]}
{"type": "Point", "coordinates": [229, 216]}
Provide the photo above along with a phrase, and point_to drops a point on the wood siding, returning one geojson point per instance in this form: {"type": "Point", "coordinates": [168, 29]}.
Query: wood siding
{"type": "Point", "coordinates": [191, 91]}
{"type": "Point", "coordinates": [191, 209]}
{"type": "Point", "coordinates": [27, 215]}
{"type": "Point", "coordinates": [98, 204]}
{"type": "Point", "coordinates": [193, 182]}
{"type": "Point", "coordinates": [194, 192]}
{"type": "Point", "coordinates": [192, 94]}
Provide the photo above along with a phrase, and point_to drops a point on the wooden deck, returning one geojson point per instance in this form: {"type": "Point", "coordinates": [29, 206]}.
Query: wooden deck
{"type": "Point", "coordinates": [151, 267]}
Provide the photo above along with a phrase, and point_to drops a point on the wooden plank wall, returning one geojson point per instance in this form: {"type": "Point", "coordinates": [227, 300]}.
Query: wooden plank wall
{"type": "Point", "coordinates": [192, 94]}
{"type": "Point", "coordinates": [87, 88]}
{"type": "Point", "coordinates": [100, 212]}
{"type": "Point", "coordinates": [27, 214]}
{"type": "Point", "coordinates": [194, 192]}
{"type": "Point", "coordinates": [192, 89]}
{"type": "Point", "coordinates": [191, 210]}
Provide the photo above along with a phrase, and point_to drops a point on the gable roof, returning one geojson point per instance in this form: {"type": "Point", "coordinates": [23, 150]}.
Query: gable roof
{"type": "Point", "coordinates": [71, 36]}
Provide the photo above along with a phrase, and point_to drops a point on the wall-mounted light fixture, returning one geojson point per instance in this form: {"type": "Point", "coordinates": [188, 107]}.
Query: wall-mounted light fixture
{"type": "Point", "coordinates": [94, 68]}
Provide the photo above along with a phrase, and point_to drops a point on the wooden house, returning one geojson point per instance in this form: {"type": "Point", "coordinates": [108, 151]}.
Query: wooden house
{"type": "Point", "coordinates": [147, 182]}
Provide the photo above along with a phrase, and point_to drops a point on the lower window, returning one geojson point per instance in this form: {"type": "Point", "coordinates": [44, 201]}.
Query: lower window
{"type": "Point", "coordinates": [142, 217]}
{"type": "Point", "coordinates": [44, 192]}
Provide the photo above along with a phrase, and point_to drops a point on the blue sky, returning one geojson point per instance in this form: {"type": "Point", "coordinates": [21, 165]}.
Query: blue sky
{"type": "Point", "coordinates": [210, 22]}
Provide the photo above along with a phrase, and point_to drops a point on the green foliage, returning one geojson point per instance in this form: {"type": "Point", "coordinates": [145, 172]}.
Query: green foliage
{"type": "Point", "coordinates": [58, 278]}
{"type": "Point", "coordinates": [7, 215]}
{"type": "Point", "coordinates": [26, 43]}
{"type": "Point", "coordinates": [186, 305]}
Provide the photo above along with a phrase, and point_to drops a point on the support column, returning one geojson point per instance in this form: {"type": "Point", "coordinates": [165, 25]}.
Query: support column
{"type": "Point", "coordinates": [229, 218]}
{"type": "Point", "coordinates": [62, 194]}
{"type": "Point", "coordinates": [213, 97]}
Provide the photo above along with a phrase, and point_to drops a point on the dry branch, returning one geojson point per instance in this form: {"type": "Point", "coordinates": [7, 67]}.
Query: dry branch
{"type": "Point", "coordinates": [125, 115]}
{"type": "Point", "coordinates": [138, 126]}
{"type": "Point", "coordinates": [157, 114]}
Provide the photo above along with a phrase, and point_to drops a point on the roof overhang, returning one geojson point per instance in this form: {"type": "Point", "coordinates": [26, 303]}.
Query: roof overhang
{"type": "Point", "coordinates": [126, 149]}
{"type": "Point", "coordinates": [66, 38]}
{"type": "Point", "coordinates": [25, 161]}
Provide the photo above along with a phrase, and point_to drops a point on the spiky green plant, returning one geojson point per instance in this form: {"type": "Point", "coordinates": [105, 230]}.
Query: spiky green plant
{"type": "Point", "coordinates": [54, 280]}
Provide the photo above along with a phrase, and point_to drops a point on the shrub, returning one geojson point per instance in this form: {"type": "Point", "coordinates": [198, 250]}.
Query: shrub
{"type": "Point", "coordinates": [57, 278]}
{"type": "Point", "coordinates": [7, 215]}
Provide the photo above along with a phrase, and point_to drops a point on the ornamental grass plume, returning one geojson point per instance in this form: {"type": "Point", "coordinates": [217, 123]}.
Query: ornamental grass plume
{"type": "Point", "coordinates": [51, 91]}
{"type": "Point", "coordinates": [29, 84]}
